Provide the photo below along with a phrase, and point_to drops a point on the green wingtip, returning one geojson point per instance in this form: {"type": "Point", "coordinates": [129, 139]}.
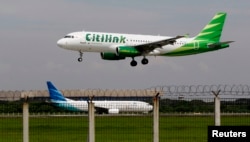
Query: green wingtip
{"type": "Point", "coordinates": [212, 31]}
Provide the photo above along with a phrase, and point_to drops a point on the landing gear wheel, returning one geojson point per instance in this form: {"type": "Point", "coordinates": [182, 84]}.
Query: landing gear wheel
{"type": "Point", "coordinates": [133, 63]}
{"type": "Point", "coordinates": [144, 61]}
{"type": "Point", "coordinates": [79, 59]}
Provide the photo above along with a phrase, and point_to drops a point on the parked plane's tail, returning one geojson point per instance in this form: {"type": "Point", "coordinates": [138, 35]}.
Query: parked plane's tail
{"type": "Point", "coordinates": [55, 94]}
{"type": "Point", "coordinates": [212, 31]}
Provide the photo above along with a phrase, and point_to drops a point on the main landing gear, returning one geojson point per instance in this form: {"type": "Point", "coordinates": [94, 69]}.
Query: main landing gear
{"type": "Point", "coordinates": [144, 61]}
{"type": "Point", "coordinates": [133, 63]}
{"type": "Point", "coordinates": [80, 58]}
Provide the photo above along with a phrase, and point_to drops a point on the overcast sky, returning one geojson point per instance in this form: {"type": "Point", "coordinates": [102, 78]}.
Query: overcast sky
{"type": "Point", "coordinates": [30, 29]}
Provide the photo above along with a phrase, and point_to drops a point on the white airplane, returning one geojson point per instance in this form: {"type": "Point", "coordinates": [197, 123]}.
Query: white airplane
{"type": "Point", "coordinates": [117, 46]}
{"type": "Point", "coordinates": [111, 107]}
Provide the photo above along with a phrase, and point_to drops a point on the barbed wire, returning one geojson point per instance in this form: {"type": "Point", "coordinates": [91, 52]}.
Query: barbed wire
{"type": "Point", "coordinates": [172, 90]}
{"type": "Point", "coordinates": [203, 90]}
{"type": "Point", "coordinates": [17, 95]}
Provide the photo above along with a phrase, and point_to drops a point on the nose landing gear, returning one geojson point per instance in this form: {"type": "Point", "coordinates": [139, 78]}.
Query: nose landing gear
{"type": "Point", "coordinates": [80, 58]}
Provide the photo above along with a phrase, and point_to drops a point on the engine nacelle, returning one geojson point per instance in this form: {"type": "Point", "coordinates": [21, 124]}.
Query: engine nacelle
{"type": "Point", "coordinates": [127, 51]}
{"type": "Point", "coordinates": [113, 111]}
{"type": "Point", "coordinates": [121, 53]}
{"type": "Point", "coordinates": [111, 56]}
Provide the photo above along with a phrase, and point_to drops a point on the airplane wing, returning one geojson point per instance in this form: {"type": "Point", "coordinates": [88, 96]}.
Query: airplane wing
{"type": "Point", "coordinates": [101, 110]}
{"type": "Point", "coordinates": [148, 47]}
{"type": "Point", "coordinates": [105, 109]}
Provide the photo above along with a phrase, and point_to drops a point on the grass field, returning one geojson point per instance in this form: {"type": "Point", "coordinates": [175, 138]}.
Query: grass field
{"type": "Point", "coordinates": [114, 128]}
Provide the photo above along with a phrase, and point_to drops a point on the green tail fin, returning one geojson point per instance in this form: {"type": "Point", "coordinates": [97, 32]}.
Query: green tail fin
{"type": "Point", "coordinates": [212, 31]}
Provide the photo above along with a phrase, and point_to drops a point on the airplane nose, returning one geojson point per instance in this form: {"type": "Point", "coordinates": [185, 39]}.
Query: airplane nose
{"type": "Point", "coordinates": [60, 43]}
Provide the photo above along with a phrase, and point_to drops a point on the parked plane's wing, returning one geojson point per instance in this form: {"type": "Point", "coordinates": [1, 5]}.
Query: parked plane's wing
{"type": "Point", "coordinates": [148, 47]}
{"type": "Point", "coordinates": [101, 109]}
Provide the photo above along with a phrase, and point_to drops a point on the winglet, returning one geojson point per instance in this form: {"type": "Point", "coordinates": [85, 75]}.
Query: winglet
{"type": "Point", "coordinates": [55, 94]}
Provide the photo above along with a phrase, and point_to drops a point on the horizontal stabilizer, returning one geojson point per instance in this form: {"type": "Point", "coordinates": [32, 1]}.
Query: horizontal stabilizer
{"type": "Point", "coordinates": [219, 44]}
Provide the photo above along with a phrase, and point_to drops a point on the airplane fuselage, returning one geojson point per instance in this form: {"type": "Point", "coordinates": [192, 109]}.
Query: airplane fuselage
{"type": "Point", "coordinates": [108, 42]}
{"type": "Point", "coordinates": [110, 106]}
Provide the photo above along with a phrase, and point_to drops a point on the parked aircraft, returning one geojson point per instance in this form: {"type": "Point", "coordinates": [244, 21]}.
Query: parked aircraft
{"type": "Point", "coordinates": [105, 106]}
{"type": "Point", "coordinates": [118, 46]}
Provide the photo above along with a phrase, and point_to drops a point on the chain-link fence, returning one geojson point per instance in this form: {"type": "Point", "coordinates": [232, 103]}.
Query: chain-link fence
{"type": "Point", "coordinates": [185, 113]}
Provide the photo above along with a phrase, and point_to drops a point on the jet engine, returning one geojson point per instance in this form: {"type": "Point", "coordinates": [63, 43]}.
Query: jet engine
{"type": "Point", "coordinates": [111, 56]}
{"type": "Point", "coordinates": [121, 53]}
{"type": "Point", "coordinates": [127, 51]}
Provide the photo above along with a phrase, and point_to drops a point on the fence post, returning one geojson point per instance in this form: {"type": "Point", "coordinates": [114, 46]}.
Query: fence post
{"type": "Point", "coordinates": [91, 109]}
{"type": "Point", "coordinates": [25, 97]}
{"type": "Point", "coordinates": [217, 115]}
{"type": "Point", "coordinates": [156, 118]}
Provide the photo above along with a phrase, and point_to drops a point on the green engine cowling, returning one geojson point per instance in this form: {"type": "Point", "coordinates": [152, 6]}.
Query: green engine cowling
{"type": "Point", "coordinates": [111, 56]}
{"type": "Point", "coordinates": [121, 53]}
{"type": "Point", "coordinates": [127, 51]}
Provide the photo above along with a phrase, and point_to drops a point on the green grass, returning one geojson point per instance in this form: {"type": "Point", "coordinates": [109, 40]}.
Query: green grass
{"type": "Point", "coordinates": [113, 128]}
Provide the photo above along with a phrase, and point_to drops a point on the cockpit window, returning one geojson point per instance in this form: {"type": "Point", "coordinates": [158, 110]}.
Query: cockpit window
{"type": "Point", "coordinates": [69, 36]}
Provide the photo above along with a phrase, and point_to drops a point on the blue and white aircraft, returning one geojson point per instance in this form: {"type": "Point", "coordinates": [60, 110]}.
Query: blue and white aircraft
{"type": "Point", "coordinates": [107, 106]}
